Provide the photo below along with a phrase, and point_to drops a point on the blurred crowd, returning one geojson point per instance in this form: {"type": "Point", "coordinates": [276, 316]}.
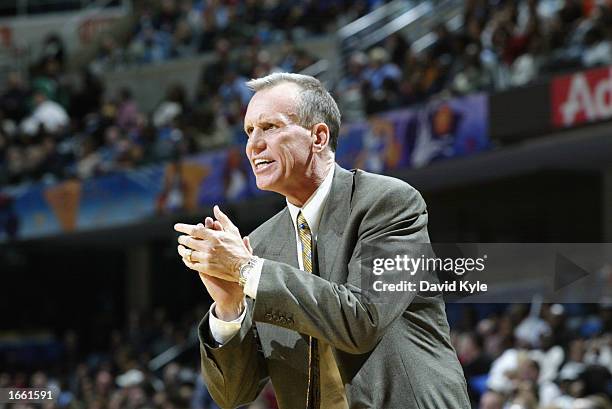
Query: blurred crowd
{"type": "Point", "coordinates": [119, 376]}
{"type": "Point", "coordinates": [56, 125]}
{"type": "Point", "coordinates": [183, 28]}
{"type": "Point", "coordinates": [520, 358]}
{"type": "Point", "coordinates": [513, 357]}
{"type": "Point", "coordinates": [54, 129]}
{"type": "Point", "coordinates": [501, 44]}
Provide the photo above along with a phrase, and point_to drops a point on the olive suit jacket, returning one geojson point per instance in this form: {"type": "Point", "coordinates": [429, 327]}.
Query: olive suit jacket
{"type": "Point", "coordinates": [393, 350]}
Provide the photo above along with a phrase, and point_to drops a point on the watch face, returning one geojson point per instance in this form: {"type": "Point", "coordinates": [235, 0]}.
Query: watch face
{"type": "Point", "coordinates": [245, 268]}
{"type": "Point", "coordinates": [241, 277]}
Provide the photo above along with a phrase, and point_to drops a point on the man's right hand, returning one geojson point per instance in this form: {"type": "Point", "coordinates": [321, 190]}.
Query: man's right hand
{"type": "Point", "coordinates": [228, 296]}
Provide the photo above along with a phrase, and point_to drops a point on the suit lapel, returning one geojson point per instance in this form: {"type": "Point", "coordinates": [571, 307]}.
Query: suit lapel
{"type": "Point", "coordinates": [282, 246]}
{"type": "Point", "coordinates": [333, 221]}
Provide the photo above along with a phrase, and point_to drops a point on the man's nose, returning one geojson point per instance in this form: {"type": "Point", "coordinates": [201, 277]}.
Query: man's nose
{"type": "Point", "coordinates": [257, 141]}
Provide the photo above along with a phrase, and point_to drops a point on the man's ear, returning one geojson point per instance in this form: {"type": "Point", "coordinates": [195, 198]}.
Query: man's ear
{"type": "Point", "coordinates": [320, 135]}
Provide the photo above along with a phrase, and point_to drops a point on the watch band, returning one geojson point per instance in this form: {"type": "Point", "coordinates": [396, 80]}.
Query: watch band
{"type": "Point", "coordinates": [245, 270]}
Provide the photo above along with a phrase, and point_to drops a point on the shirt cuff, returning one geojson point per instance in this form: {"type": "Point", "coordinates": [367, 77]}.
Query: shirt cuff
{"type": "Point", "coordinates": [223, 331]}
{"type": "Point", "coordinates": [252, 280]}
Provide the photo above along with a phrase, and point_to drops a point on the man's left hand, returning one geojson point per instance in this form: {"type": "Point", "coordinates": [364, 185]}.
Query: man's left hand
{"type": "Point", "coordinates": [215, 253]}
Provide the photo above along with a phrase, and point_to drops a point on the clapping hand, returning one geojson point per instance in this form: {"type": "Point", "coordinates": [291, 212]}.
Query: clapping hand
{"type": "Point", "coordinates": [216, 251]}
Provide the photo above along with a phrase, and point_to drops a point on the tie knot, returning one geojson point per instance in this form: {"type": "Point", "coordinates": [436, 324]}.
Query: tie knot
{"type": "Point", "coordinates": [301, 222]}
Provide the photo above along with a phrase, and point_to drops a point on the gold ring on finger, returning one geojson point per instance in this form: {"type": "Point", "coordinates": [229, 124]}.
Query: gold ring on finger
{"type": "Point", "coordinates": [189, 256]}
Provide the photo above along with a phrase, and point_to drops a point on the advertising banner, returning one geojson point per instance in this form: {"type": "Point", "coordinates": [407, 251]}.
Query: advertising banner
{"type": "Point", "coordinates": [581, 97]}
{"type": "Point", "coordinates": [414, 138]}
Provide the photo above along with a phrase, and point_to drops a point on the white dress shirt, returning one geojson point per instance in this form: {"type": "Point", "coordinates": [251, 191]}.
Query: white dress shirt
{"type": "Point", "coordinates": [223, 331]}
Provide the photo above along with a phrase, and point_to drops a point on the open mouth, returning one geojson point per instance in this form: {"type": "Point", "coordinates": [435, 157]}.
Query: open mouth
{"type": "Point", "coordinates": [261, 164]}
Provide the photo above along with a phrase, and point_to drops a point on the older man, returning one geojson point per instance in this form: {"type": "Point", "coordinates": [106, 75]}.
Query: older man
{"type": "Point", "coordinates": [293, 301]}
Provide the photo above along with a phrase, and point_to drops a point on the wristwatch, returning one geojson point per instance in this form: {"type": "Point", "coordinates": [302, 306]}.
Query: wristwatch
{"type": "Point", "coordinates": [245, 270]}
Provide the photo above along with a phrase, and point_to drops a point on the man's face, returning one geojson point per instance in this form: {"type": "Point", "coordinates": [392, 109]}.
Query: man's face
{"type": "Point", "coordinates": [278, 148]}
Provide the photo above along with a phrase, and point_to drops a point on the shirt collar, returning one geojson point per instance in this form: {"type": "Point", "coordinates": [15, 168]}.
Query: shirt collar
{"type": "Point", "coordinates": [313, 208]}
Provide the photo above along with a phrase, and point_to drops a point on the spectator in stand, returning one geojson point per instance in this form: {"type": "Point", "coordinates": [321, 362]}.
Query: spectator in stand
{"type": "Point", "coordinates": [398, 47]}
{"type": "Point", "coordinates": [444, 46]}
{"type": "Point", "coordinates": [525, 68]}
{"type": "Point", "coordinates": [303, 60]}
{"type": "Point", "coordinates": [53, 49]}
{"type": "Point", "coordinates": [529, 374]}
{"type": "Point", "coordinates": [173, 105]}
{"type": "Point", "coordinates": [264, 64]}
{"type": "Point", "coordinates": [568, 18]}
{"type": "Point", "coordinates": [349, 89]}
{"type": "Point", "coordinates": [167, 17]}
{"type": "Point", "coordinates": [13, 101]}
{"type": "Point", "coordinates": [597, 50]}
{"type": "Point", "coordinates": [47, 114]}
{"type": "Point", "coordinates": [233, 88]}
{"type": "Point", "coordinates": [49, 77]}
{"type": "Point", "coordinates": [208, 31]}
{"type": "Point", "coordinates": [127, 111]}
{"type": "Point", "coordinates": [471, 76]}
{"type": "Point", "coordinates": [381, 82]}
{"type": "Point", "coordinates": [109, 56]}
{"type": "Point", "coordinates": [15, 164]}
{"type": "Point", "coordinates": [151, 46]}
{"type": "Point", "coordinates": [87, 98]}
{"type": "Point", "coordinates": [183, 41]}
{"type": "Point", "coordinates": [474, 360]}
{"type": "Point", "coordinates": [212, 73]}
{"type": "Point", "coordinates": [492, 400]}
{"type": "Point", "coordinates": [210, 129]}
{"type": "Point", "coordinates": [380, 69]}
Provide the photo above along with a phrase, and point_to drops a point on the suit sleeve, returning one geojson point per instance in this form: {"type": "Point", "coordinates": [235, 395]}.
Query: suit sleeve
{"type": "Point", "coordinates": [351, 316]}
{"type": "Point", "coordinates": [235, 372]}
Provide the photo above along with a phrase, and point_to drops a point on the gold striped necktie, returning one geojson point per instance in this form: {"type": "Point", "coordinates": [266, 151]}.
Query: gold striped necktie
{"type": "Point", "coordinates": [322, 366]}
{"type": "Point", "coordinates": [313, 394]}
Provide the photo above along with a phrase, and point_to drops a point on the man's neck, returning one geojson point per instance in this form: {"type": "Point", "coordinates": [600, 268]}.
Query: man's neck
{"type": "Point", "coordinates": [311, 185]}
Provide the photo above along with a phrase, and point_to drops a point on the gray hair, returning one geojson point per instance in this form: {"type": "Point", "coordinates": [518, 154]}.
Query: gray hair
{"type": "Point", "coordinates": [315, 105]}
